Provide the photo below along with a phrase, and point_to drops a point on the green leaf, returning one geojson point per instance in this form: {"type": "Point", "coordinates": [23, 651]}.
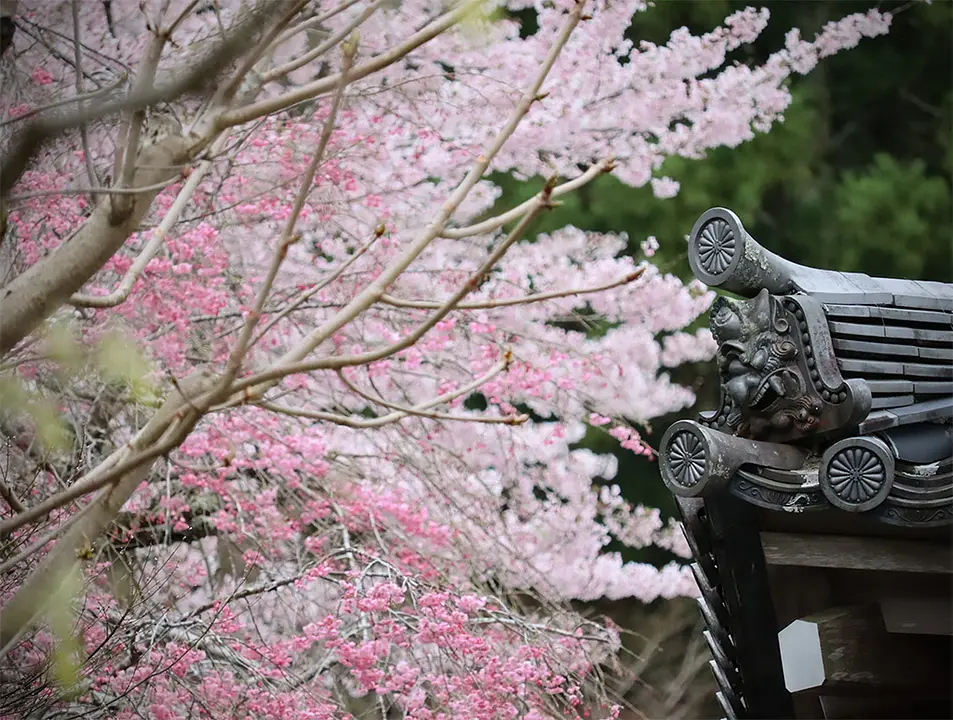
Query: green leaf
{"type": "Point", "coordinates": [60, 613]}
{"type": "Point", "coordinates": [62, 348]}
{"type": "Point", "coordinates": [122, 362]}
{"type": "Point", "coordinates": [13, 397]}
{"type": "Point", "coordinates": [478, 17]}
{"type": "Point", "coordinates": [51, 429]}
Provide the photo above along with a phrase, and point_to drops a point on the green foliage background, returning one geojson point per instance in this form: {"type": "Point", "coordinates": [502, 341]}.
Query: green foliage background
{"type": "Point", "coordinates": [856, 178]}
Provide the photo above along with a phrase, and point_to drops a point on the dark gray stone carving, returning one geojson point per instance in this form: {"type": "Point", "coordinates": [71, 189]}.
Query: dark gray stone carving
{"type": "Point", "coordinates": [723, 255]}
{"type": "Point", "coordinates": [750, 268]}
{"type": "Point", "coordinates": [917, 516]}
{"type": "Point", "coordinates": [697, 460]}
{"type": "Point", "coordinates": [717, 246]}
{"type": "Point", "coordinates": [830, 382]}
{"type": "Point", "coordinates": [780, 378]}
{"type": "Point", "coordinates": [756, 490]}
{"type": "Point", "coordinates": [856, 474]}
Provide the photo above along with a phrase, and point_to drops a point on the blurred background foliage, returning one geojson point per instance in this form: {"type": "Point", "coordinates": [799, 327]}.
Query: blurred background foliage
{"type": "Point", "coordinates": [856, 178]}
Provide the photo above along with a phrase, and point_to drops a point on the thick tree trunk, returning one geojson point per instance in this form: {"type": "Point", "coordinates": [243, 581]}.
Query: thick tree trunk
{"type": "Point", "coordinates": [37, 292]}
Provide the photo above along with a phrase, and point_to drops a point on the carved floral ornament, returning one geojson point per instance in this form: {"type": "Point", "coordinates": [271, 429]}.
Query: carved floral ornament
{"type": "Point", "coordinates": [717, 246]}
{"type": "Point", "coordinates": [857, 474]}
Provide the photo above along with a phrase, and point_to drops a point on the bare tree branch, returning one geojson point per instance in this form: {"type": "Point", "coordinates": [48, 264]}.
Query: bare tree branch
{"type": "Point", "coordinates": [288, 234]}
{"type": "Point", "coordinates": [419, 410]}
{"type": "Point", "coordinates": [323, 48]}
{"type": "Point", "coordinates": [127, 146]}
{"type": "Point", "coordinates": [12, 500]}
{"type": "Point", "coordinates": [78, 59]}
{"type": "Point", "coordinates": [495, 223]}
{"type": "Point", "coordinates": [254, 386]}
{"type": "Point", "coordinates": [373, 292]}
{"type": "Point", "coordinates": [313, 21]}
{"type": "Point", "coordinates": [327, 84]}
{"type": "Point", "coordinates": [47, 284]}
{"type": "Point", "coordinates": [506, 302]}
{"type": "Point", "coordinates": [171, 217]}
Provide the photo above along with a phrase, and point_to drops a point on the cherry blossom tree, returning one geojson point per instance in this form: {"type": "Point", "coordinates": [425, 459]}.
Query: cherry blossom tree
{"type": "Point", "coordinates": [291, 406]}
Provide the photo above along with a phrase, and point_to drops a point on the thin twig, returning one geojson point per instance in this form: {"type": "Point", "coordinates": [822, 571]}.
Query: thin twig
{"type": "Point", "coordinates": [94, 191]}
{"type": "Point", "coordinates": [306, 295]}
{"type": "Point", "coordinates": [313, 22]}
{"type": "Point", "coordinates": [401, 411]}
{"type": "Point", "coordinates": [92, 95]}
{"type": "Point", "coordinates": [127, 146]}
{"type": "Point", "coordinates": [230, 88]}
{"type": "Point", "coordinates": [78, 58]}
{"type": "Point", "coordinates": [46, 538]}
{"type": "Point", "coordinates": [506, 302]}
{"type": "Point", "coordinates": [249, 388]}
{"type": "Point", "coordinates": [204, 72]}
{"type": "Point", "coordinates": [327, 84]}
{"type": "Point", "coordinates": [390, 418]}
{"type": "Point", "coordinates": [494, 223]}
{"type": "Point", "coordinates": [6, 492]}
{"type": "Point", "coordinates": [323, 48]}
{"type": "Point", "coordinates": [174, 434]}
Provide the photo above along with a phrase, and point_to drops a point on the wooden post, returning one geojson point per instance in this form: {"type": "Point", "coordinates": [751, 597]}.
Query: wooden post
{"type": "Point", "coordinates": [744, 586]}
{"type": "Point", "coordinates": [845, 651]}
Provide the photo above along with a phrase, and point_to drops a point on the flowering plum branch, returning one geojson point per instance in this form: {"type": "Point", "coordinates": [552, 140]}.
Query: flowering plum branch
{"type": "Point", "coordinates": [332, 469]}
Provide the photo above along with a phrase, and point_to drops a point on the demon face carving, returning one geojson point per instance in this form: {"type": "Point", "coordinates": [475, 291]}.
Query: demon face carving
{"type": "Point", "coordinates": [764, 390]}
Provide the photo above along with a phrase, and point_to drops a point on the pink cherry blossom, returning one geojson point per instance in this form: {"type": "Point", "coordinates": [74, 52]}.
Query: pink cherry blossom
{"type": "Point", "coordinates": [41, 76]}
